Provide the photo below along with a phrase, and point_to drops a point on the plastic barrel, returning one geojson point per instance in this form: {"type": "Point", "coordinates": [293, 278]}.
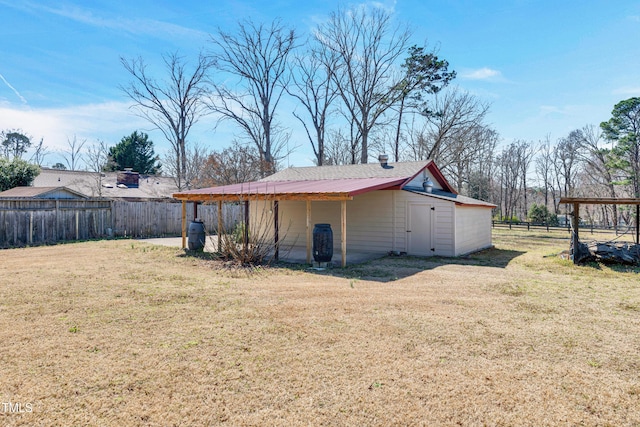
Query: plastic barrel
{"type": "Point", "coordinates": [322, 243]}
{"type": "Point", "coordinates": [196, 235]}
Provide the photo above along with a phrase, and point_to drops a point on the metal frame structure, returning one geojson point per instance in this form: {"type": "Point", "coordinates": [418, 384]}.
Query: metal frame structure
{"type": "Point", "coordinates": [577, 201]}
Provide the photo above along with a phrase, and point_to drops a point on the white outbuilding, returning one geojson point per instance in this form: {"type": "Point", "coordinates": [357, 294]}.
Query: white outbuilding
{"type": "Point", "coordinates": [376, 208]}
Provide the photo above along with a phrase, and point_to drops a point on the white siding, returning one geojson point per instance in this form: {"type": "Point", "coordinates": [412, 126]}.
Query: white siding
{"type": "Point", "coordinates": [369, 221]}
{"type": "Point", "coordinates": [377, 222]}
{"type": "Point", "coordinates": [443, 230]}
{"type": "Point", "coordinates": [291, 219]}
{"type": "Point", "coordinates": [473, 229]}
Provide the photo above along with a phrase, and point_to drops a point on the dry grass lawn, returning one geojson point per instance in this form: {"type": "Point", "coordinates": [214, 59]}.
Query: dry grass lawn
{"type": "Point", "coordinates": [125, 333]}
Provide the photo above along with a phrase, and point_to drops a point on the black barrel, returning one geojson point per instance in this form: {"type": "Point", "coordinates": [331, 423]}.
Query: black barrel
{"type": "Point", "coordinates": [322, 243]}
{"type": "Point", "coordinates": [196, 235]}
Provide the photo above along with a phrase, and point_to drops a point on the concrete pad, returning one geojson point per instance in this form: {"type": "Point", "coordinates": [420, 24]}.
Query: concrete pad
{"type": "Point", "coordinates": [296, 254]}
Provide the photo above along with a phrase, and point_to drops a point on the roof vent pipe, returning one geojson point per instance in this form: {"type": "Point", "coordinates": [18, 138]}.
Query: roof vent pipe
{"type": "Point", "coordinates": [427, 185]}
{"type": "Point", "coordinates": [383, 159]}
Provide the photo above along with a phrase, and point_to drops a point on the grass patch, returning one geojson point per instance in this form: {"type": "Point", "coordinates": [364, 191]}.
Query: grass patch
{"type": "Point", "coordinates": [126, 333]}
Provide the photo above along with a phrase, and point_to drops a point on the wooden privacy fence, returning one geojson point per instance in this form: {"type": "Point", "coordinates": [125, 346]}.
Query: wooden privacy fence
{"type": "Point", "coordinates": [27, 222]}
{"type": "Point", "coordinates": [161, 218]}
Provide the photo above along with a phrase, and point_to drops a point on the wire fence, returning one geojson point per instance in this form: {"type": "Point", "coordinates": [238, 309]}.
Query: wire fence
{"type": "Point", "coordinates": [591, 228]}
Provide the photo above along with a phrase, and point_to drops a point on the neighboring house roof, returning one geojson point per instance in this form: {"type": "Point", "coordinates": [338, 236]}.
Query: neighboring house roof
{"type": "Point", "coordinates": [149, 187]}
{"type": "Point", "coordinates": [334, 183]}
{"type": "Point", "coordinates": [42, 193]}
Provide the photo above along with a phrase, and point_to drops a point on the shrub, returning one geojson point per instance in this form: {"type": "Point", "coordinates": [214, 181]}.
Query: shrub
{"type": "Point", "coordinates": [16, 173]}
{"type": "Point", "coordinates": [539, 214]}
{"type": "Point", "coordinates": [256, 246]}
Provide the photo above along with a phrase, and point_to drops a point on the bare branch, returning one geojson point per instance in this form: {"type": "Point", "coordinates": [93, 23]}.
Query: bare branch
{"type": "Point", "coordinates": [172, 106]}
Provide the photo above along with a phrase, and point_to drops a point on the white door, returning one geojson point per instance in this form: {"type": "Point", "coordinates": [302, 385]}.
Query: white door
{"type": "Point", "coordinates": [419, 226]}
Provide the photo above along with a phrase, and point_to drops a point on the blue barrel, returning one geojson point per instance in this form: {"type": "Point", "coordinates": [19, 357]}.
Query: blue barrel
{"type": "Point", "coordinates": [322, 243]}
{"type": "Point", "coordinates": [196, 235]}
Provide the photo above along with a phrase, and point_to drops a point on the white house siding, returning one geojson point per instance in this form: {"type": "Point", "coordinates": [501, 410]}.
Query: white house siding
{"type": "Point", "coordinates": [473, 229]}
{"type": "Point", "coordinates": [377, 222]}
{"type": "Point", "coordinates": [443, 224]}
{"type": "Point", "coordinates": [291, 217]}
{"type": "Point", "coordinates": [369, 221]}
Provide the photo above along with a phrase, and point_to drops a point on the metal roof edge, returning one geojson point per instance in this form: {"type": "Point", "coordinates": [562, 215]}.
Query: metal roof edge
{"type": "Point", "coordinates": [480, 203]}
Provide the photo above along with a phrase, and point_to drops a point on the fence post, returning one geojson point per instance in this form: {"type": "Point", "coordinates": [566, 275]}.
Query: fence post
{"type": "Point", "coordinates": [30, 240]}
{"type": "Point", "coordinates": [57, 228]}
{"type": "Point", "coordinates": [15, 231]}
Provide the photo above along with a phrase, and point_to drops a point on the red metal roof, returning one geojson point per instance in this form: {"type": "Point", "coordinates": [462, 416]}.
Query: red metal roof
{"type": "Point", "coordinates": [332, 188]}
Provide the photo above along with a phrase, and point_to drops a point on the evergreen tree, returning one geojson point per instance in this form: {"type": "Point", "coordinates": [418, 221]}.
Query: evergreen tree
{"type": "Point", "coordinates": [14, 143]}
{"type": "Point", "coordinates": [134, 151]}
{"type": "Point", "coordinates": [624, 129]}
{"type": "Point", "coordinates": [16, 173]}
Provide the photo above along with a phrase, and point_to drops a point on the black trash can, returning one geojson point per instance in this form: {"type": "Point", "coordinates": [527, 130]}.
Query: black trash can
{"type": "Point", "coordinates": [196, 235]}
{"type": "Point", "coordinates": [322, 243]}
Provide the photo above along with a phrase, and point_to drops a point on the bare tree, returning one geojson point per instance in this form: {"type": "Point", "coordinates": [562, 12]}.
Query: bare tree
{"type": "Point", "coordinates": [509, 168]}
{"type": "Point", "coordinates": [366, 46]}
{"type": "Point", "coordinates": [544, 169]}
{"type": "Point", "coordinates": [235, 164]}
{"type": "Point", "coordinates": [312, 86]}
{"type": "Point", "coordinates": [566, 163]}
{"type": "Point", "coordinates": [526, 151]}
{"type": "Point", "coordinates": [172, 105]}
{"type": "Point", "coordinates": [195, 157]}
{"type": "Point", "coordinates": [338, 150]}
{"type": "Point", "coordinates": [73, 154]}
{"type": "Point", "coordinates": [39, 153]}
{"type": "Point", "coordinates": [258, 56]}
{"type": "Point", "coordinates": [451, 116]}
{"type": "Point", "coordinates": [96, 160]}
{"type": "Point", "coordinates": [598, 161]}
{"type": "Point", "coordinates": [478, 155]}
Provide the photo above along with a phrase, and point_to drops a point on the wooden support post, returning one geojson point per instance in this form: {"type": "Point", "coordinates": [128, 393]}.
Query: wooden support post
{"type": "Point", "coordinates": [245, 236]}
{"type": "Point", "coordinates": [184, 224]}
{"type": "Point", "coordinates": [219, 226]}
{"type": "Point", "coordinates": [343, 234]}
{"type": "Point", "coordinates": [308, 231]}
{"type": "Point", "coordinates": [576, 235]}
{"type": "Point", "coordinates": [276, 230]}
{"type": "Point", "coordinates": [77, 225]}
{"type": "Point", "coordinates": [637, 223]}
